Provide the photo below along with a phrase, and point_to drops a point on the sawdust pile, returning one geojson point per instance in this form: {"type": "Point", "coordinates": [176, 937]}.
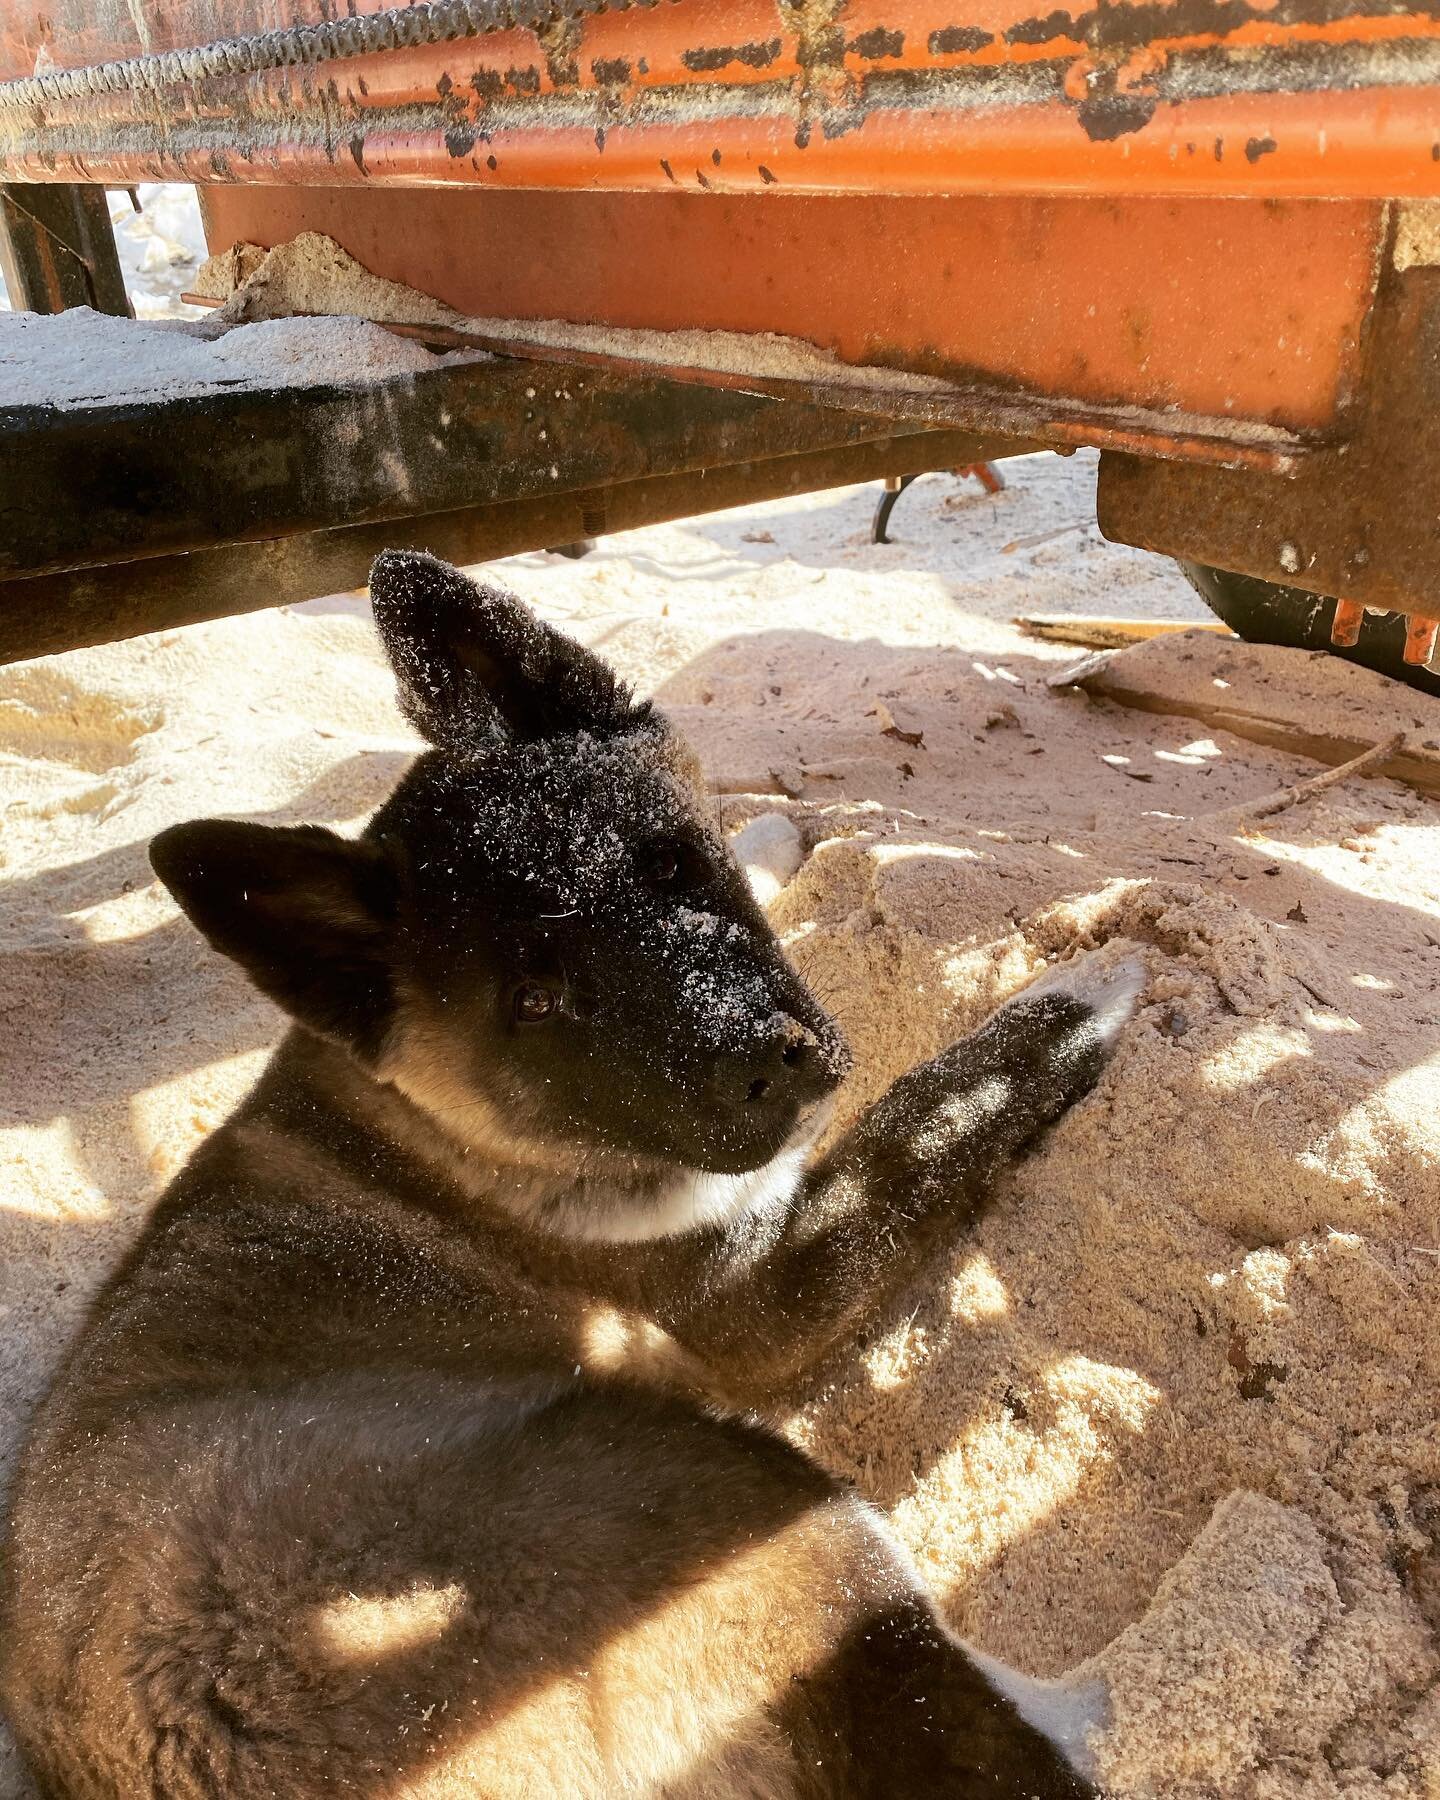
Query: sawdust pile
{"type": "Point", "coordinates": [81, 358]}
{"type": "Point", "coordinates": [1173, 1408]}
{"type": "Point", "coordinates": [311, 273]}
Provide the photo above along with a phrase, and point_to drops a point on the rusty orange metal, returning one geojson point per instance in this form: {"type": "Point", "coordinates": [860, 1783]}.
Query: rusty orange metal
{"type": "Point", "coordinates": [1420, 635]}
{"type": "Point", "coordinates": [1319, 98]}
{"type": "Point", "coordinates": [1202, 317]}
{"type": "Point", "coordinates": [1156, 226]}
{"type": "Point", "coordinates": [1421, 631]}
{"type": "Point", "coordinates": [1357, 519]}
{"type": "Point", "coordinates": [1345, 627]}
{"type": "Point", "coordinates": [1077, 219]}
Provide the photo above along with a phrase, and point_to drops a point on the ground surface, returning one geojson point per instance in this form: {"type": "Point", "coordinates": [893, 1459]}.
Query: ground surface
{"type": "Point", "coordinates": [1175, 1409]}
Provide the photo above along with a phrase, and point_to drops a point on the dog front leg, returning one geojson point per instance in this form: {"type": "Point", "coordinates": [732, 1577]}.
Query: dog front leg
{"type": "Point", "coordinates": [786, 1283]}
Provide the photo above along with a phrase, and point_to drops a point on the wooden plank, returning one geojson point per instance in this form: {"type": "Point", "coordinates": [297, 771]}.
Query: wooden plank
{"type": "Point", "coordinates": [1107, 634]}
{"type": "Point", "coordinates": [1300, 701]}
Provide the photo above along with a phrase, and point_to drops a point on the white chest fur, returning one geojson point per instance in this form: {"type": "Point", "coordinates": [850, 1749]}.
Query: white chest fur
{"type": "Point", "coordinates": [686, 1201]}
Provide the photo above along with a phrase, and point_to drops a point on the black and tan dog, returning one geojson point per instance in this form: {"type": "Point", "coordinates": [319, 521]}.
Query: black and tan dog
{"type": "Point", "coordinates": [416, 1450]}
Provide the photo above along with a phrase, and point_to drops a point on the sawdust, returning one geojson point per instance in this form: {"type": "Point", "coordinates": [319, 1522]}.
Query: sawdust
{"type": "Point", "coordinates": [1417, 234]}
{"type": "Point", "coordinates": [311, 273]}
{"type": "Point", "coordinates": [1170, 1415]}
{"type": "Point", "coordinates": [82, 358]}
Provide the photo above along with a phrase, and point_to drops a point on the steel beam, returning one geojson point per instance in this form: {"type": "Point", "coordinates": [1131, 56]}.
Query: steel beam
{"type": "Point", "coordinates": [1220, 97]}
{"type": "Point", "coordinates": [92, 485]}
{"type": "Point", "coordinates": [66, 611]}
{"type": "Point", "coordinates": [1148, 326]}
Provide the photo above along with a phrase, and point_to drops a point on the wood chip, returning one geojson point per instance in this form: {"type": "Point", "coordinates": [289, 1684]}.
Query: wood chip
{"type": "Point", "coordinates": [898, 723]}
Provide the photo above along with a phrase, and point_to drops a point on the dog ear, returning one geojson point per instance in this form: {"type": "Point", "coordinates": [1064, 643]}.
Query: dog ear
{"type": "Point", "coordinates": [305, 913]}
{"type": "Point", "coordinates": [474, 663]}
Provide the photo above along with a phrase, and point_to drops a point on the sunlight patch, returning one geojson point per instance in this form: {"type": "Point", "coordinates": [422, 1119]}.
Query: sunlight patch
{"type": "Point", "coordinates": [977, 1292]}
{"type": "Point", "coordinates": [365, 1627]}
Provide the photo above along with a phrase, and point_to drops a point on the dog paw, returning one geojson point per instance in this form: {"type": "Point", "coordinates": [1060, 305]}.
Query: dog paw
{"type": "Point", "coordinates": [1110, 991]}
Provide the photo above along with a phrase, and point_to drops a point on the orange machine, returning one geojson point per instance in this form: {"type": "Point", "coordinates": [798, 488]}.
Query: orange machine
{"type": "Point", "coordinates": [1203, 235]}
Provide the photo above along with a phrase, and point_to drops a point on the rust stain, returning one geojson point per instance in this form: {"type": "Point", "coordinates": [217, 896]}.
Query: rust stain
{"type": "Point", "coordinates": [877, 43]}
{"type": "Point", "coordinates": [952, 40]}
{"type": "Point", "coordinates": [713, 59]}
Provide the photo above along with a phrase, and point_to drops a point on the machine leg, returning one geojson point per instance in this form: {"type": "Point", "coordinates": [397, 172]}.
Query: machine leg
{"type": "Point", "coordinates": [895, 486]}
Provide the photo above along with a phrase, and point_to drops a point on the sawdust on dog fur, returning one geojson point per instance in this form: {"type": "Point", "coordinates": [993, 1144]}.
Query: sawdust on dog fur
{"type": "Point", "coordinates": [1169, 1415]}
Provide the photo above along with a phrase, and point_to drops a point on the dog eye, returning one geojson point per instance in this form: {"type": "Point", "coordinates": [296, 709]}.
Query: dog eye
{"type": "Point", "coordinates": [666, 864]}
{"type": "Point", "coordinates": [663, 864]}
{"type": "Point", "coordinates": [533, 1003]}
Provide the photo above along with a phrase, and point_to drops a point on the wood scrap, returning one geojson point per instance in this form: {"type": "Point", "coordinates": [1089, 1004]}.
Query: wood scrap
{"type": "Point", "coordinates": [1079, 674]}
{"type": "Point", "coordinates": [1305, 703]}
{"type": "Point", "coordinates": [1107, 634]}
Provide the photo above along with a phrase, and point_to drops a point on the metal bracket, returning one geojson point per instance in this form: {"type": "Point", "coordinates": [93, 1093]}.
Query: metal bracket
{"type": "Point", "coordinates": [895, 485]}
{"type": "Point", "coordinates": [1358, 518]}
{"type": "Point", "coordinates": [57, 249]}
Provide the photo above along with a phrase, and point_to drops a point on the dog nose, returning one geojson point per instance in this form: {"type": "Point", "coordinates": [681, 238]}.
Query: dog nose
{"type": "Point", "coordinates": [789, 1053]}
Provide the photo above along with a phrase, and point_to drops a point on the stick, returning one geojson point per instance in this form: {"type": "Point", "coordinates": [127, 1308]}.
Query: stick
{"type": "Point", "coordinates": [1285, 797]}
